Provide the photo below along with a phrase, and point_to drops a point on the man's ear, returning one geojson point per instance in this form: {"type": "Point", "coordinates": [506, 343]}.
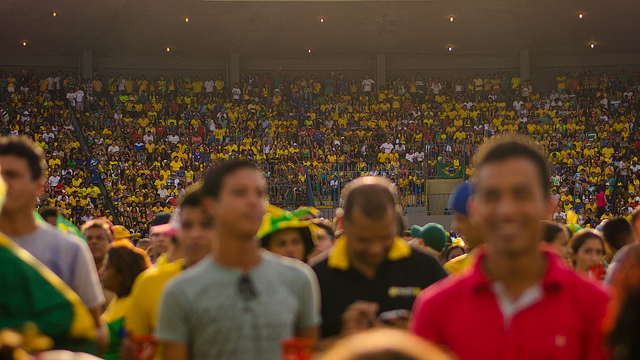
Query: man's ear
{"type": "Point", "coordinates": [551, 206]}
{"type": "Point", "coordinates": [208, 205]}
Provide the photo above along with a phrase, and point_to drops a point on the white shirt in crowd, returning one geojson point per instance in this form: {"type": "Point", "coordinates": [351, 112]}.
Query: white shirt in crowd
{"type": "Point", "coordinates": [173, 139]}
{"type": "Point", "coordinates": [208, 86]}
{"type": "Point", "coordinates": [367, 84]}
{"type": "Point", "coordinates": [54, 180]}
{"type": "Point", "coordinates": [72, 98]}
{"type": "Point", "coordinates": [387, 147]}
{"type": "Point", "coordinates": [236, 92]}
{"type": "Point", "coordinates": [52, 83]}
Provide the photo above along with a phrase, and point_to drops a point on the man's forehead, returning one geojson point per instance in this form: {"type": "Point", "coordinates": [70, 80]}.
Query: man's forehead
{"type": "Point", "coordinates": [511, 171]}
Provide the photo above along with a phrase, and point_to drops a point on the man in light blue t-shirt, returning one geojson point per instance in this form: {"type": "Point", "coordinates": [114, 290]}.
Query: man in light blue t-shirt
{"type": "Point", "coordinates": [240, 302]}
{"type": "Point", "coordinates": [23, 170]}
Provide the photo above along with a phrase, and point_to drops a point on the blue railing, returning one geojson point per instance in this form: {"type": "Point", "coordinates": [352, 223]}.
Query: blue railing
{"type": "Point", "coordinates": [291, 186]}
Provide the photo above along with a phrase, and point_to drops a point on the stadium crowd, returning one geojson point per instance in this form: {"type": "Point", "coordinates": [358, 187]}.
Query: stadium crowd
{"type": "Point", "coordinates": [148, 139]}
{"type": "Point", "coordinates": [233, 277]}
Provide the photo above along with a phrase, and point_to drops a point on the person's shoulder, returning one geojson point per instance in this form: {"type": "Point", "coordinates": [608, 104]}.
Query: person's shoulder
{"type": "Point", "coordinates": [50, 233]}
{"type": "Point", "coordinates": [287, 268]}
{"type": "Point", "coordinates": [583, 288]}
{"type": "Point", "coordinates": [422, 257]}
{"type": "Point", "coordinates": [441, 293]}
{"type": "Point", "coordinates": [155, 274]}
{"type": "Point", "coordinates": [188, 281]}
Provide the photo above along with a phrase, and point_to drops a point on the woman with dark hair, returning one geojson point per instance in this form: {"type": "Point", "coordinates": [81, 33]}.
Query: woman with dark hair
{"type": "Point", "coordinates": [587, 252]}
{"type": "Point", "coordinates": [123, 264]}
{"type": "Point", "coordinates": [452, 251]}
{"type": "Point", "coordinates": [557, 235]}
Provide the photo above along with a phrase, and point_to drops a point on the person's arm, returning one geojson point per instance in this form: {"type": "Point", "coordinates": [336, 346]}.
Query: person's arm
{"type": "Point", "coordinates": [102, 334]}
{"type": "Point", "coordinates": [359, 316]}
{"type": "Point", "coordinates": [312, 332]}
{"type": "Point", "coordinates": [594, 346]}
{"type": "Point", "coordinates": [86, 284]}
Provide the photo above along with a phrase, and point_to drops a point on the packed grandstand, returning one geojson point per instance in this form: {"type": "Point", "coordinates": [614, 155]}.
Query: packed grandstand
{"type": "Point", "coordinates": [126, 147]}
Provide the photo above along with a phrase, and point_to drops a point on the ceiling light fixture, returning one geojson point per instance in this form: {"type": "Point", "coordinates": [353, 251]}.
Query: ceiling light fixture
{"type": "Point", "coordinates": [54, 14]}
{"type": "Point", "coordinates": [321, 20]}
{"type": "Point", "coordinates": [24, 43]}
{"type": "Point", "coordinates": [580, 15]}
{"type": "Point", "coordinates": [309, 51]}
{"type": "Point", "coordinates": [450, 48]}
{"type": "Point", "coordinates": [168, 49]}
{"type": "Point", "coordinates": [186, 19]}
{"type": "Point", "coordinates": [593, 45]}
{"type": "Point", "coordinates": [451, 18]}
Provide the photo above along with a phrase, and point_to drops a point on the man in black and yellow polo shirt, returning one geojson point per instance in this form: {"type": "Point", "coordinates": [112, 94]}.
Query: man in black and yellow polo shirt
{"type": "Point", "coordinates": [370, 270]}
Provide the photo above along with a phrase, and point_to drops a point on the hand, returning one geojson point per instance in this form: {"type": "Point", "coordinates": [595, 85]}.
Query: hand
{"type": "Point", "coordinates": [360, 315]}
{"type": "Point", "coordinates": [127, 349]}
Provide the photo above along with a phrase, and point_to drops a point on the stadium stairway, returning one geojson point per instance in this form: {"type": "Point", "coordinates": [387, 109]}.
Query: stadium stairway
{"type": "Point", "coordinates": [93, 168]}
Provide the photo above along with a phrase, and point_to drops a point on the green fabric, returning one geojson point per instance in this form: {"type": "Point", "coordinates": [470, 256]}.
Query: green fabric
{"type": "Point", "coordinates": [32, 298]}
{"type": "Point", "coordinates": [448, 171]}
{"type": "Point", "coordinates": [63, 224]}
{"type": "Point", "coordinates": [115, 337]}
{"type": "Point", "coordinates": [434, 235]}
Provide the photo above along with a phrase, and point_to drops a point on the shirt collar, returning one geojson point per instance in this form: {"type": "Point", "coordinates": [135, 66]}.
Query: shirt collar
{"type": "Point", "coordinates": [553, 279]}
{"type": "Point", "coordinates": [338, 258]}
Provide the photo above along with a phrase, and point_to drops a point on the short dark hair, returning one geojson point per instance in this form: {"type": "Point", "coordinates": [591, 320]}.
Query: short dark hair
{"type": "Point", "coordinates": [214, 178]}
{"type": "Point", "coordinates": [25, 148]}
{"type": "Point", "coordinates": [617, 232]}
{"type": "Point", "coordinates": [551, 229]}
{"type": "Point", "coordinates": [509, 146]}
{"type": "Point", "coordinates": [192, 196]}
{"type": "Point", "coordinates": [373, 196]}
{"type": "Point", "coordinates": [47, 211]}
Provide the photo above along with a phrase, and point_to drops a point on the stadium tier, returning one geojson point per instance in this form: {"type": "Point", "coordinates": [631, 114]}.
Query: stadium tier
{"type": "Point", "coordinates": [142, 140]}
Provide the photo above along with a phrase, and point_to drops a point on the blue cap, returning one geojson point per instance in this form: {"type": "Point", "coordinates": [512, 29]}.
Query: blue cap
{"type": "Point", "coordinates": [459, 198]}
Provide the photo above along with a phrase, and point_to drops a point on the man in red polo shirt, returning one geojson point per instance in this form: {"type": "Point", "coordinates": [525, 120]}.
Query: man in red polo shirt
{"type": "Point", "coordinates": [517, 301]}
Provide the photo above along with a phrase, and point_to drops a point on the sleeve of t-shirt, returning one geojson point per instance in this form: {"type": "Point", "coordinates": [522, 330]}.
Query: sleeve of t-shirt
{"type": "Point", "coordinates": [426, 316]}
{"type": "Point", "coordinates": [85, 280]}
{"type": "Point", "coordinates": [136, 318]}
{"type": "Point", "coordinates": [172, 324]}
{"type": "Point", "coordinates": [593, 348]}
{"type": "Point", "coordinates": [308, 292]}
